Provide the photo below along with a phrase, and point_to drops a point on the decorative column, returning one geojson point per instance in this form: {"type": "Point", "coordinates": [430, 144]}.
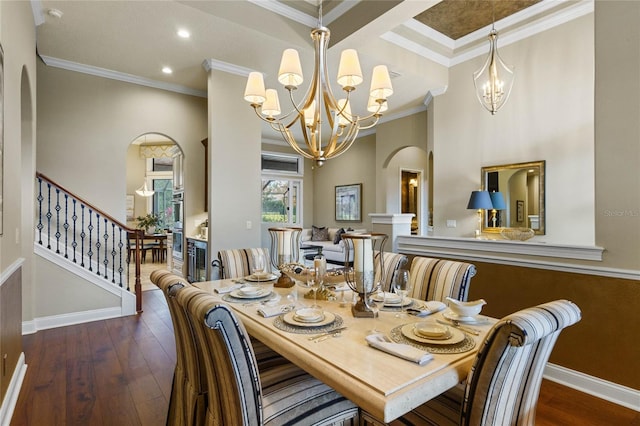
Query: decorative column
{"type": "Point", "coordinates": [392, 224]}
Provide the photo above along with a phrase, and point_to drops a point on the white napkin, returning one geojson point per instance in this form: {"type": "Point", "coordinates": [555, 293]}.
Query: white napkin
{"type": "Point", "coordinates": [272, 311]}
{"type": "Point", "coordinates": [229, 289]}
{"type": "Point", "coordinates": [380, 341]}
{"type": "Point", "coordinates": [430, 307]}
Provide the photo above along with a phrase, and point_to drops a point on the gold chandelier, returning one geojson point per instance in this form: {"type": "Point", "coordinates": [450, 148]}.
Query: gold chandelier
{"type": "Point", "coordinates": [493, 82]}
{"type": "Point", "coordinates": [319, 109]}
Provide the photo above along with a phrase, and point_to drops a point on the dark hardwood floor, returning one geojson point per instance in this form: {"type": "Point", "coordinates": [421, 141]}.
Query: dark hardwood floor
{"type": "Point", "coordinates": [119, 372]}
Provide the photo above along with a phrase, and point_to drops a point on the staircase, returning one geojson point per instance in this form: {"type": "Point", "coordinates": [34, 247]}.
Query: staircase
{"type": "Point", "coordinates": [87, 242]}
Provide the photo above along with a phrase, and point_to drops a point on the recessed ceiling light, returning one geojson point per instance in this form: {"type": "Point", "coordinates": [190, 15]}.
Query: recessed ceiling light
{"type": "Point", "coordinates": [167, 70]}
{"type": "Point", "coordinates": [184, 34]}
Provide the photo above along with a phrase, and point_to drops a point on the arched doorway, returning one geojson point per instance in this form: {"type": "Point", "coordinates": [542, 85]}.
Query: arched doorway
{"type": "Point", "coordinates": [154, 180]}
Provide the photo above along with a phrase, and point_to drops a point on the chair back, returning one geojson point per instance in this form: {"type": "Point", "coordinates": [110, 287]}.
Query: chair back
{"type": "Point", "coordinates": [236, 263]}
{"type": "Point", "coordinates": [188, 403]}
{"type": "Point", "coordinates": [435, 279]}
{"type": "Point", "coordinates": [235, 390]}
{"type": "Point", "coordinates": [504, 382]}
{"type": "Point", "coordinates": [391, 263]}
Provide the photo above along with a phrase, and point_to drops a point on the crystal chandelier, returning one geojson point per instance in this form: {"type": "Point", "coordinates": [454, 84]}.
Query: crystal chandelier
{"type": "Point", "coordinates": [493, 82]}
{"type": "Point", "coordinates": [320, 110]}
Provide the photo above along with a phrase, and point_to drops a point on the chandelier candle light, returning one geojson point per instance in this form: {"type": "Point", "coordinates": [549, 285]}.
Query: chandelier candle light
{"type": "Point", "coordinates": [367, 250]}
{"type": "Point", "coordinates": [284, 249]}
{"type": "Point", "coordinates": [493, 82]}
{"type": "Point", "coordinates": [320, 109]}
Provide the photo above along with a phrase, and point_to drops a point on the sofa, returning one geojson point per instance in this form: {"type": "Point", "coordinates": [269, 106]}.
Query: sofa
{"type": "Point", "coordinates": [332, 247]}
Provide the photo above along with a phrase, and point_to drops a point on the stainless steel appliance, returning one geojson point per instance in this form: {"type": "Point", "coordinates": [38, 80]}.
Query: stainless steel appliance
{"type": "Point", "coordinates": [178, 232]}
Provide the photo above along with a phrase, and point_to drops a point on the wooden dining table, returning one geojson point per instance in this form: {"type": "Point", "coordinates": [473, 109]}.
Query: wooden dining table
{"type": "Point", "coordinates": [383, 384]}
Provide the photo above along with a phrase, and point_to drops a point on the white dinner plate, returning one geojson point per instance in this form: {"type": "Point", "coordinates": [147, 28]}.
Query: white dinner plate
{"type": "Point", "coordinates": [450, 315]}
{"type": "Point", "coordinates": [388, 297]}
{"type": "Point", "coordinates": [308, 315]}
{"type": "Point", "coordinates": [405, 302]}
{"type": "Point", "coordinates": [264, 292]}
{"type": "Point", "coordinates": [253, 278]}
{"type": "Point", "coordinates": [408, 331]}
{"type": "Point", "coordinates": [289, 318]}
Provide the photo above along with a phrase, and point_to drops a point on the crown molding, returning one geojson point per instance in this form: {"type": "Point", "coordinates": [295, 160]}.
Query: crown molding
{"type": "Point", "coordinates": [433, 93]}
{"type": "Point", "coordinates": [286, 11]}
{"type": "Point", "coordinates": [214, 64]}
{"type": "Point", "coordinates": [120, 76]}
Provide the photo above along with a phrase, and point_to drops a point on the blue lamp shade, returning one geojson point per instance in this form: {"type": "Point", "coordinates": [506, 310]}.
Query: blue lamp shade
{"type": "Point", "coordinates": [498, 201]}
{"type": "Point", "coordinates": [480, 200]}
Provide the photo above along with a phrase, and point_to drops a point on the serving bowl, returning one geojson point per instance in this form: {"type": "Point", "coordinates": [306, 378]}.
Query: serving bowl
{"type": "Point", "coordinates": [466, 309]}
{"type": "Point", "coordinates": [517, 234]}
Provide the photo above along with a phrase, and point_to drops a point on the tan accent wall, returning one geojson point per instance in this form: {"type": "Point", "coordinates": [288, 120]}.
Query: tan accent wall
{"type": "Point", "coordinates": [603, 344]}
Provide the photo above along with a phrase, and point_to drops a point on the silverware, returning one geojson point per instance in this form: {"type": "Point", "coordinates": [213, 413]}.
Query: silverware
{"type": "Point", "coordinates": [323, 338]}
{"type": "Point", "coordinates": [327, 333]}
{"type": "Point", "coordinates": [459, 326]}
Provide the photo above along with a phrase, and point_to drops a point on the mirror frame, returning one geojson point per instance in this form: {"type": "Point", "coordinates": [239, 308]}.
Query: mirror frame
{"type": "Point", "coordinates": [541, 192]}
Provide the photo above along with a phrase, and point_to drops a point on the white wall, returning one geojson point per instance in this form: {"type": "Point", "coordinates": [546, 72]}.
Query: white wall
{"type": "Point", "coordinates": [234, 159]}
{"type": "Point", "coordinates": [549, 116]}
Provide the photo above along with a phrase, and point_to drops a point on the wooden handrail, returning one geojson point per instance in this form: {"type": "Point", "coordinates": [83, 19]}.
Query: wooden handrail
{"type": "Point", "coordinates": [137, 232]}
{"type": "Point", "coordinates": [94, 208]}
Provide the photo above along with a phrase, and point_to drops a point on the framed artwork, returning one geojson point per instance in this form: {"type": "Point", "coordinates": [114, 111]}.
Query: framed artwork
{"type": "Point", "coordinates": [519, 210]}
{"type": "Point", "coordinates": [349, 203]}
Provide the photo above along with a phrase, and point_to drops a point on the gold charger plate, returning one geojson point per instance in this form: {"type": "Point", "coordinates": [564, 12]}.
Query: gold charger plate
{"type": "Point", "coordinates": [409, 332]}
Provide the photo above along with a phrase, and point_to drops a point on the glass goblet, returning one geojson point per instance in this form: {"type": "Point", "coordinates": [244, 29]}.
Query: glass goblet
{"type": "Point", "coordinates": [402, 287]}
{"type": "Point", "coordinates": [258, 267]}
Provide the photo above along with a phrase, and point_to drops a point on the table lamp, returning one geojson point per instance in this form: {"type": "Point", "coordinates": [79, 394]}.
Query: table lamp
{"type": "Point", "coordinates": [366, 250]}
{"type": "Point", "coordinates": [497, 200]}
{"type": "Point", "coordinates": [285, 248]}
{"type": "Point", "coordinates": [480, 200]}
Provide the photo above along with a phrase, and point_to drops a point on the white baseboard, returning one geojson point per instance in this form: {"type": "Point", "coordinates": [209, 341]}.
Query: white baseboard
{"type": "Point", "coordinates": [13, 391]}
{"type": "Point", "coordinates": [603, 389]}
{"type": "Point", "coordinates": [53, 321]}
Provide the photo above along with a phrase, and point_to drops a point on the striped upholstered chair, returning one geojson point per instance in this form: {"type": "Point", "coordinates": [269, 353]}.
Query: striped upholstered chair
{"type": "Point", "coordinates": [236, 263]}
{"type": "Point", "coordinates": [435, 279]}
{"type": "Point", "coordinates": [503, 385]}
{"type": "Point", "coordinates": [237, 395]}
{"type": "Point", "coordinates": [391, 263]}
{"type": "Point", "coordinates": [187, 404]}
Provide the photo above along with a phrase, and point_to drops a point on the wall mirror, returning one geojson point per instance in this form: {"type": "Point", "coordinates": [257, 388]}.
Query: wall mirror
{"type": "Point", "coordinates": [522, 187]}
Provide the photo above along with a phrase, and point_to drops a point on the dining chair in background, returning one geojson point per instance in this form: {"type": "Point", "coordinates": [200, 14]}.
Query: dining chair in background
{"type": "Point", "coordinates": [391, 263]}
{"type": "Point", "coordinates": [503, 385]}
{"type": "Point", "coordinates": [237, 263]}
{"type": "Point", "coordinates": [435, 279]}
{"type": "Point", "coordinates": [237, 395]}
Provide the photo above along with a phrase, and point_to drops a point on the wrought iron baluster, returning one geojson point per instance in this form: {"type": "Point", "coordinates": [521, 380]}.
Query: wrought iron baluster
{"type": "Point", "coordinates": [74, 244]}
{"type": "Point", "coordinates": [82, 236]}
{"type": "Point", "coordinates": [90, 247]}
{"type": "Point", "coordinates": [120, 268]}
{"type": "Point", "coordinates": [40, 199]}
{"type": "Point", "coordinates": [66, 226]}
{"type": "Point", "coordinates": [105, 262]}
{"type": "Point", "coordinates": [49, 216]}
{"type": "Point", "coordinates": [57, 209]}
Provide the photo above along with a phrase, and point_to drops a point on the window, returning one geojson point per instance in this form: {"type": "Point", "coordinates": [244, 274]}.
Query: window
{"type": "Point", "coordinates": [163, 201]}
{"type": "Point", "coordinates": [281, 200]}
{"type": "Point", "coordinates": [282, 164]}
{"type": "Point", "coordinates": [281, 195]}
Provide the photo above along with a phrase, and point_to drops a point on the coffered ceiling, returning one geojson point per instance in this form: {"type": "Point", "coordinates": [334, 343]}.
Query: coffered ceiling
{"type": "Point", "coordinates": [417, 39]}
